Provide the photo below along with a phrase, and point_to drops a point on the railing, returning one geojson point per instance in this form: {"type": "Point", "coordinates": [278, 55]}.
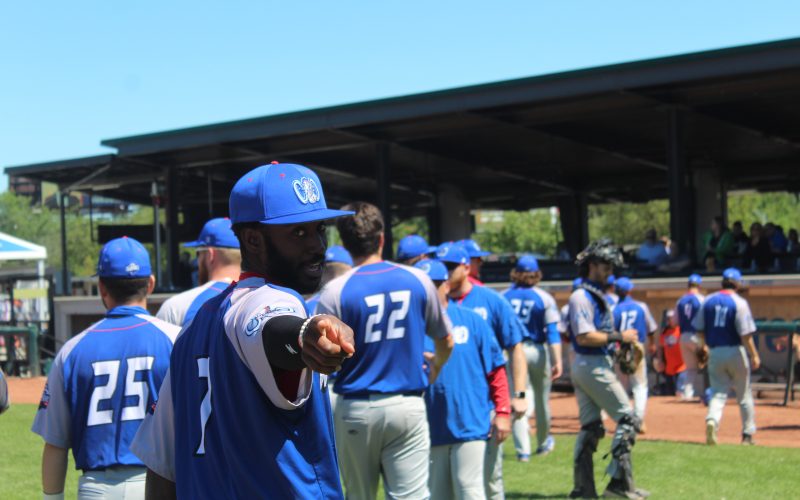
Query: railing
{"type": "Point", "coordinates": [32, 347]}
{"type": "Point", "coordinates": [780, 328]}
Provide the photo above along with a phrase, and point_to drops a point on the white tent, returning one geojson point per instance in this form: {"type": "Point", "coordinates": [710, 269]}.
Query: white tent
{"type": "Point", "coordinates": [12, 248]}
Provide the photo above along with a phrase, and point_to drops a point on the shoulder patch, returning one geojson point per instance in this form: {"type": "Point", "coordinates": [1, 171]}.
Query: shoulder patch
{"type": "Point", "coordinates": [269, 311]}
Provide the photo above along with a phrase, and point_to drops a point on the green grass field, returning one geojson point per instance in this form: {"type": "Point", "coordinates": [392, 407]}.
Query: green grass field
{"type": "Point", "coordinates": [668, 470]}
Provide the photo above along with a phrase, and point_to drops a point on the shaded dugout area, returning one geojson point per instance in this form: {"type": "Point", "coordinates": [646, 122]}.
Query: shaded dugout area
{"type": "Point", "coordinates": [687, 128]}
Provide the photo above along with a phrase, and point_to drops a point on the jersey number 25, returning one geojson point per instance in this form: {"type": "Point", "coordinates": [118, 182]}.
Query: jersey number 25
{"type": "Point", "coordinates": [133, 388]}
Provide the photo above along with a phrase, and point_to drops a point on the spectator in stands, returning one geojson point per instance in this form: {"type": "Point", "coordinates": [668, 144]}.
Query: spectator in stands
{"type": "Point", "coordinates": [561, 251]}
{"type": "Point", "coordinates": [740, 238]}
{"type": "Point", "coordinates": [793, 246]}
{"type": "Point", "coordinates": [777, 240]}
{"type": "Point", "coordinates": [652, 251]}
{"type": "Point", "coordinates": [718, 244]}
{"type": "Point", "coordinates": [758, 254]}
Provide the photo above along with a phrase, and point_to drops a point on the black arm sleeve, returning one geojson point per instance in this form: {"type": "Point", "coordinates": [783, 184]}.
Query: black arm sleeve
{"type": "Point", "coordinates": [281, 345]}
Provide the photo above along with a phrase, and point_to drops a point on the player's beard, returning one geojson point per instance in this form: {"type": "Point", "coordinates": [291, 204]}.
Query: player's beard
{"type": "Point", "coordinates": [289, 272]}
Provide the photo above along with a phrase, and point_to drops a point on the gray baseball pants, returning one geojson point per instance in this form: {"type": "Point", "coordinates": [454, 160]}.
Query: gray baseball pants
{"type": "Point", "coordinates": [457, 471]}
{"type": "Point", "coordinates": [383, 435]}
{"type": "Point", "coordinates": [728, 366]}
{"type": "Point", "coordinates": [538, 356]}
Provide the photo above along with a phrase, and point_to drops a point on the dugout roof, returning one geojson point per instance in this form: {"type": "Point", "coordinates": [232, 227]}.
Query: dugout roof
{"type": "Point", "coordinates": [511, 144]}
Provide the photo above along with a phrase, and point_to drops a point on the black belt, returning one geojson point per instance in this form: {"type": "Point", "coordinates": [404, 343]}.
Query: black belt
{"type": "Point", "coordinates": [366, 395]}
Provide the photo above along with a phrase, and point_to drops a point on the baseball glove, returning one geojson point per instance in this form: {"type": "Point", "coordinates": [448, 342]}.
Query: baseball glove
{"type": "Point", "coordinates": [702, 357]}
{"type": "Point", "coordinates": [629, 356]}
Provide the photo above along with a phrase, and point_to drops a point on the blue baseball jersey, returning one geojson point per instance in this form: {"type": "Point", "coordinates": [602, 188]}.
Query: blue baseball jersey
{"type": "Point", "coordinates": [725, 319]}
{"type": "Point", "coordinates": [687, 308]}
{"type": "Point", "coordinates": [222, 428]}
{"type": "Point", "coordinates": [538, 312]}
{"type": "Point", "coordinates": [611, 299]}
{"type": "Point", "coordinates": [495, 310]}
{"type": "Point", "coordinates": [100, 385]}
{"type": "Point", "coordinates": [390, 307]}
{"type": "Point", "coordinates": [632, 314]}
{"type": "Point", "coordinates": [181, 309]}
{"type": "Point", "coordinates": [589, 312]}
{"type": "Point", "coordinates": [311, 303]}
{"type": "Point", "coordinates": [459, 411]}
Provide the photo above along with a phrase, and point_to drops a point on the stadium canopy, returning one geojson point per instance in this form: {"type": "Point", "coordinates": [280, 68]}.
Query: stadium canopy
{"type": "Point", "coordinates": [687, 128]}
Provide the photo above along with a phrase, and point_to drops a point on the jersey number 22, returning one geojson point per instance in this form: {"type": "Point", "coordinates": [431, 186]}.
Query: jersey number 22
{"type": "Point", "coordinates": [398, 304]}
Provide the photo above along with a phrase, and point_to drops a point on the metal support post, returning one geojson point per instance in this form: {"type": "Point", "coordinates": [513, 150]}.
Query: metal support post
{"type": "Point", "coordinates": [383, 177]}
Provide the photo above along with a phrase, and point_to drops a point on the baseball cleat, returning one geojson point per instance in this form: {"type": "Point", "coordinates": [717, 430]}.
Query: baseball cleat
{"type": "Point", "coordinates": [615, 493]}
{"type": "Point", "coordinates": [747, 439]}
{"type": "Point", "coordinates": [546, 447]}
{"type": "Point", "coordinates": [711, 432]}
{"type": "Point", "coordinates": [523, 457]}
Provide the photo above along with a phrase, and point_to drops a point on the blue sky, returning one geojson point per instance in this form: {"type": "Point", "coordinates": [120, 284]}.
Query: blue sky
{"type": "Point", "coordinates": [74, 73]}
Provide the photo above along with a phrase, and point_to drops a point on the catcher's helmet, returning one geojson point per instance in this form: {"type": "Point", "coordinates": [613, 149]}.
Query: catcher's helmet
{"type": "Point", "coordinates": [602, 250]}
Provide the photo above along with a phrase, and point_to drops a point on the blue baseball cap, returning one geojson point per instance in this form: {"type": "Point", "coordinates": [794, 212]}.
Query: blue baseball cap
{"type": "Point", "coordinates": [611, 279]}
{"type": "Point", "coordinates": [123, 258]}
{"type": "Point", "coordinates": [337, 253]}
{"type": "Point", "coordinates": [453, 253]}
{"type": "Point", "coordinates": [412, 246]}
{"type": "Point", "coordinates": [624, 285]}
{"type": "Point", "coordinates": [435, 269]}
{"type": "Point", "coordinates": [280, 193]}
{"type": "Point", "coordinates": [216, 233]}
{"type": "Point", "coordinates": [473, 249]}
{"type": "Point", "coordinates": [732, 274]}
{"type": "Point", "coordinates": [527, 264]}
{"type": "Point", "coordinates": [695, 279]}
{"type": "Point", "coordinates": [576, 283]}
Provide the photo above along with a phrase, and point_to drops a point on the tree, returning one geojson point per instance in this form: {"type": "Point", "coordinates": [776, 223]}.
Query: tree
{"type": "Point", "coordinates": [626, 223]}
{"type": "Point", "coordinates": [532, 231]}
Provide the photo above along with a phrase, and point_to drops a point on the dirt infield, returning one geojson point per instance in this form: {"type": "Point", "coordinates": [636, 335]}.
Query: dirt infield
{"type": "Point", "coordinates": [667, 418]}
{"type": "Point", "coordinates": [671, 420]}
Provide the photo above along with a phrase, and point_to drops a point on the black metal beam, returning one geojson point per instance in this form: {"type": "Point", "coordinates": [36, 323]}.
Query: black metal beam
{"type": "Point", "coordinates": [172, 228]}
{"type": "Point", "coordinates": [66, 288]}
{"type": "Point", "coordinates": [681, 195]}
{"type": "Point", "coordinates": [383, 175]}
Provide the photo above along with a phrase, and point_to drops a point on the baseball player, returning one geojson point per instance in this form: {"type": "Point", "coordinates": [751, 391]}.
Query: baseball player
{"type": "Point", "coordinates": [459, 413]}
{"type": "Point", "coordinates": [633, 314]}
{"type": "Point", "coordinates": [725, 325]}
{"type": "Point", "coordinates": [103, 380]}
{"type": "Point", "coordinates": [542, 346]}
{"type": "Point", "coordinates": [563, 329]}
{"type": "Point", "coordinates": [476, 255]}
{"type": "Point", "coordinates": [609, 291]}
{"type": "Point", "coordinates": [596, 385]}
{"type": "Point", "coordinates": [219, 263]}
{"type": "Point", "coordinates": [337, 262]}
{"type": "Point", "coordinates": [381, 427]}
{"type": "Point", "coordinates": [687, 308]}
{"type": "Point", "coordinates": [412, 249]}
{"type": "Point", "coordinates": [242, 413]}
{"type": "Point", "coordinates": [508, 330]}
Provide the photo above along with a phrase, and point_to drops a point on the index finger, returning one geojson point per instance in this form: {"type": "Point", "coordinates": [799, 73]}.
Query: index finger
{"type": "Point", "coordinates": [333, 332]}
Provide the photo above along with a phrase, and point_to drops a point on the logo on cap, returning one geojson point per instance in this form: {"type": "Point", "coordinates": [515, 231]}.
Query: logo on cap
{"type": "Point", "coordinates": [425, 267]}
{"type": "Point", "coordinates": [132, 268]}
{"type": "Point", "coordinates": [306, 190]}
{"type": "Point", "coordinates": [442, 251]}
